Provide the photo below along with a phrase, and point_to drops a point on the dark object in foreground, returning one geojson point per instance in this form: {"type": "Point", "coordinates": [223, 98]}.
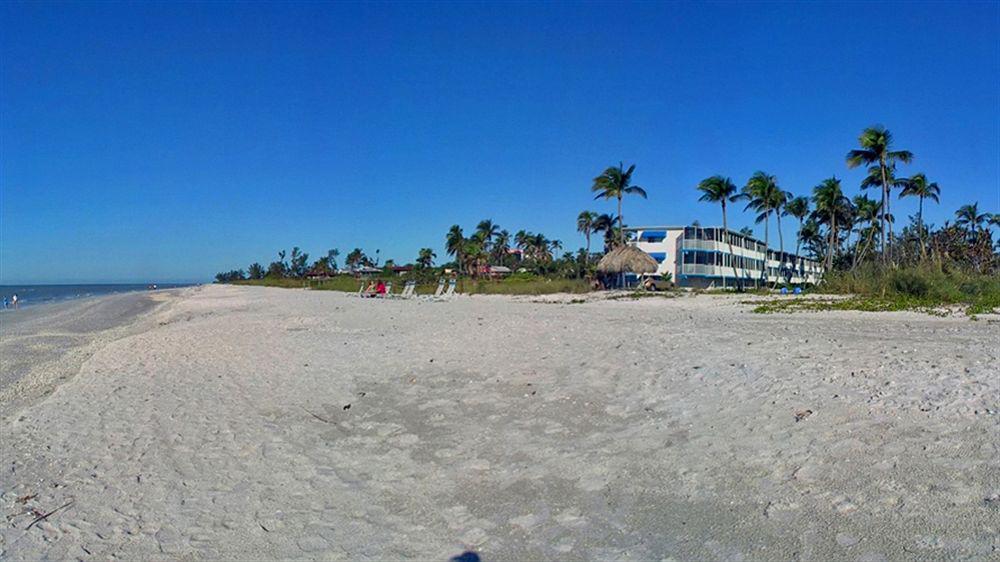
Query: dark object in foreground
{"type": "Point", "coordinates": [467, 556]}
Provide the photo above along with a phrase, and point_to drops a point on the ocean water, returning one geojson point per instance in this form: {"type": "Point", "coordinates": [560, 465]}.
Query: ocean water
{"type": "Point", "coordinates": [29, 295]}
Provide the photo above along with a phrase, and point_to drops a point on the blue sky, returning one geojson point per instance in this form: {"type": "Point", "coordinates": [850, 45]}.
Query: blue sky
{"type": "Point", "coordinates": [165, 142]}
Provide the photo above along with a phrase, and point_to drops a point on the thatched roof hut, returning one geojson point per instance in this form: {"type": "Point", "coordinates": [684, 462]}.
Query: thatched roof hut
{"type": "Point", "coordinates": [627, 259]}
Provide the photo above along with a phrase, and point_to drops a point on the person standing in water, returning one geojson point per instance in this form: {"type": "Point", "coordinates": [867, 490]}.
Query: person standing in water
{"type": "Point", "coordinates": [13, 301]}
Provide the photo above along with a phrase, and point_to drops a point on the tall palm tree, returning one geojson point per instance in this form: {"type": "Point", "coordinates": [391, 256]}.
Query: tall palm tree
{"type": "Point", "coordinates": [615, 183]}
{"type": "Point", "coordinates": [918, 186]}
{"type": "Point", "coordinates": [747, 231]}
{"type": "Point", "coordinates": [454, 244]}
{"type": "Point", "coordinates": [876, 149]}
{"type": "Point", "coordinates": [719, 189]}
{"type": "Point", "coordinates": [585, 224]}
{"type": "Point", "coordinates": [867, 212]}
{"type": "Point", "coordinates": [797, 207]}
{"type": "Point", "coordinates": [779, 199]}
{"type": "Point", "coordinates": [830, 202]}
{"type": "Point", "coordinates": [968, 216]}
{"type": "Point", "coordinates": [759, 195]}
{"type": "Point", "coordinates": [501, 245]}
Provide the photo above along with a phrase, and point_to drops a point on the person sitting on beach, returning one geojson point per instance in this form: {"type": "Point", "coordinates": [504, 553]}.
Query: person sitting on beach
{"type": "Point", "coordinates": [369, 290]}
{"type": "Point", "coordinates": [380, 288]}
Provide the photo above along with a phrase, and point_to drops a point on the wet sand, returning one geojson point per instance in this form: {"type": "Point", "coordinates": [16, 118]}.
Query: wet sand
{"type": "Point", "coordinates": [253, 423]}
{"type": "Point", "coordinates": [49, 339]}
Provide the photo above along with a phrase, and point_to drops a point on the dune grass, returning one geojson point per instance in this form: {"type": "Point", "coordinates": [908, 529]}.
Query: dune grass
{"type": "Point", "coordinates": [927, 288]}
{"type": "Point", "coordinates": [514, 285]}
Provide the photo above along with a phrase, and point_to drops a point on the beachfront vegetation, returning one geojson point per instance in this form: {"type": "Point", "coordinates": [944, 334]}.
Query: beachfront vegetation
{"type": "Point", "coordinates": [852, 236]}
{"type": "Point", "coordinates": [615, 183]}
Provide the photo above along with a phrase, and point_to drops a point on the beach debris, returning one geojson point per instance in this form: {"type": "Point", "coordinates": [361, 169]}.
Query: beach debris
{"type": "Point", "coordinates": [26, 499]}
{"type": "Point", "coordinates": [320, 418]}
{"type": "Point", "coordinates": [992, 501]}
{"type": "Point", "coordinates": [362, 394]}
{"type": "Point", "coordinates": [802, 414]}
{"type": "Point", "coordinates": [45, 516]}
{"type": "Point", "coordinates": [347, 407]}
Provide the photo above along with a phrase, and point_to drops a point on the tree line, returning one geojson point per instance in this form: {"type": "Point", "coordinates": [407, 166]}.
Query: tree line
{"type": "Point", "coordinates": [843, 232]}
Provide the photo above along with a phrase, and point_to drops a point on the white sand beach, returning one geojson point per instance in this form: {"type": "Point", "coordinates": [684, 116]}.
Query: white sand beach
{"type": "Point", "coordinates": [253, 423]}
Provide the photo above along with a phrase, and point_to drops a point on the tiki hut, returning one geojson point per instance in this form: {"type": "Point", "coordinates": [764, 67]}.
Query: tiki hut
{"type": "Point", "coordinates": [627, 259]}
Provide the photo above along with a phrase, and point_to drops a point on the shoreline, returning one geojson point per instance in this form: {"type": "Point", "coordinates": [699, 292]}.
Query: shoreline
{"type": "Point", "coordinates": [43, 345]}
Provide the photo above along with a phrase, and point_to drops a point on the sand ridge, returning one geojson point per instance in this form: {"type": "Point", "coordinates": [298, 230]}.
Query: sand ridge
{"type": "Point", "coordinates": [266, 423]}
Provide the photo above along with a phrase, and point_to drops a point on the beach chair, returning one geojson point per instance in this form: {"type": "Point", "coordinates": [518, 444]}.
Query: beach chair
{"type": "Point", "coordinates": [450, 292]}
{"type": "Point", "coordinates": [361, 290]}
{"type": "Point", "coordinates": [438, 291]}
{"type": "Point", "coordinates": [408, 289]}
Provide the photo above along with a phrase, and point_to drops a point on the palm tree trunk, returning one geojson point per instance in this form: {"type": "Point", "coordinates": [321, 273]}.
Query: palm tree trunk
{"type": "Point", "coordinates": [781, 247]}
{"type": "Point", "coordinates": [763, 271]}
{"type": "Point", "coordinates": [621, 236]}
{"type": "Point", "coordinates": [586, 259]}
{"type": "Point", "coordinates": [920, 225]}
{"type": "Point", "coordinates": [833, 236]}
{"type": "Point", "coordinates": [621, 223]}
{"type": "Point", "coordinates": [798, 238]}
{"type": "Point", "coordinates": [885, 209]}
{"type": "Point", "coordinates": [729, 240]}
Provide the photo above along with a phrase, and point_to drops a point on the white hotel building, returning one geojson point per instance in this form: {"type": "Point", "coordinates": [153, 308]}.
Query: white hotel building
{"type": "Point", "coordinates": [701, 257]}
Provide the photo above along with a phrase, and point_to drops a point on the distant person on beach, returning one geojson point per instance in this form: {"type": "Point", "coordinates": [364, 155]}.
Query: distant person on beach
{"type": "Point", "coordinates": [380, 288]}
{"type": "Point", "coordinates": [5, 303]}
{"type": "Point", "coordinates": [13, 301]}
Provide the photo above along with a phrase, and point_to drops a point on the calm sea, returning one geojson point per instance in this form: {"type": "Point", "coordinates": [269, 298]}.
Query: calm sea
{"type": "Point", "coordinates": [28, 295]}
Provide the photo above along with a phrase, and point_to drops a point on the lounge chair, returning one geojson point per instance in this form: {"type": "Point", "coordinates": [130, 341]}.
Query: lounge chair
{"type": "Point", "coordinates": [438, 291]}
{"type": "Point", "coordinates": [408, 289]}
{"type": "Point", "coordinates": [361, 290]}
{"type": "Point", "coordinates": [450, 292]}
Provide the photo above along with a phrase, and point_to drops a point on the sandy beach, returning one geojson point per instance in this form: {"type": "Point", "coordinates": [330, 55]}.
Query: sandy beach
{"type": "Point", "coordinates": [224, 422]}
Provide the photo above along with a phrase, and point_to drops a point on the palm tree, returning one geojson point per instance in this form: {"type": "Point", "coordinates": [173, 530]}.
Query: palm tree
{"type": "Point", "coordinates": [918, 186]}
{"type": "Point", "coordinates": [719, 189]}
{"type": "Point", "coordinates": [811, 237]}
{"type": "Point", "coordinates": [797, 207]}
{"type": "Point", "coordinates": [331, 258]}
{"type": "Point", "coordinates": [867, 212]}
{"type": "Point", "coordinates": [747, 231]}
{"type": "Point", "coordinates": [425, 258]}
{"type": "Point", "coordinates": [615, 183]}
{"type": "Point", "coordinates": [255, 271]}
{"type": "Point", "coordinates": [472, 255]}
{"type": "Point", "coordinates": [608, 224]}
{"type": "Point", "coordinates": [876, 149]}
{"type": "Point", "coordinates": [830, 202]}
{"type": "Point", "coordinates": [968, 216]}
{"type": "Point", "coordinates": [501, 245]}
{"type": "Point", "coordinates": [454, 244]}
{"type": "Point", "coordinates": [487, 229]}
{"type": "Point", "coordinates": [779, 199]}
{"type": "Point", "coordinates": [585, 224]}
{"type": "Point", "coordinates": [759, 194]}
